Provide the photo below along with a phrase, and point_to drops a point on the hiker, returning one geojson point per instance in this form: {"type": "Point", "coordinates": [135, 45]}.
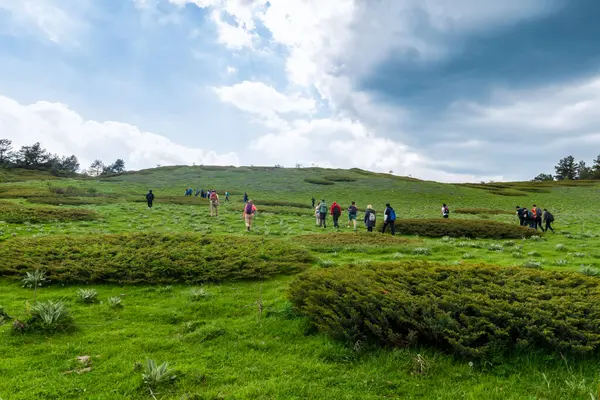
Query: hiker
{"type": "Point", "coordinates": [197, 192]}
{"type": "Point", "coordinates": [445, 211]}
{"type": "Point", "coordinates": [323, 214]}
{"type": "Point", "coordinates": [548, 220]}
{"type": "Point", "coordinates": [537, 217]}
{"type": "Point", "coordinates": [352, 214]}
{"type": "Point", "coordinates": [389, 218]}
{"type": "Point", "coordinates": [317, 215]}
{"type": "Point", "coordinates": [226, 197]}
{"type": "Point", "coordinates": [249, 211]}
{"type": "Point", "coordinates": [336, 212]}
{"type": "Point", "coordinates": [150, 198]}
{"type": "Point", "coordinates": [245, 197]}
{"type": "Point", "coordinates": [202, 193]}
{"type": "Point", "coordinates": [214, 203]}
{"type": "Point", "coordinates": [521, 216]}
{"type": "Point", "coordinates": [313, 201]}
{"type": "Point", "coordinates": [527, 217]}
{"type": "Point", "coordinates": [370, 218]}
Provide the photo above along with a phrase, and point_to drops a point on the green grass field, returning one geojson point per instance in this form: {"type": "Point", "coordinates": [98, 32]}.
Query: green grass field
{"type": "Point", "coordinates": [219, 313]}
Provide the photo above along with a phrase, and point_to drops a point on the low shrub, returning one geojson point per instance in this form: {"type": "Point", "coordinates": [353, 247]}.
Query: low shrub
{"type": "Point", "coordinates": [461, 228]}
{"type": "Point", "coordinates": [87, 295]}
{"type": "Point", "coordinates": [335, 240]}
{"type": "Point", "coordinates": [282, 203]}
{"type": "Point", "coordinates": [46, 316]}
{"type": "Point", "coordinates": [484, 211]}
{"type": "Point", "coordinates": [71, 191]}
{"type": "Point", "coordinates": [18, 214]}
{"type": "Point", "coordinates": [151, 258]}
{"type": "Point", "coordinates": [340, 178]}
{"type": "Point", "coordinates": [508, 192]}
{"type": "Point", "coordinates": [115, 302]}
{"type": "Point", "coordinates": [470, 311]}
{"type": "Point", "coordinates": [197, 294]}
{"type": "Point", "coordinates": [72, 201]}
{"type": "Point", "coordinates": [318, 181]}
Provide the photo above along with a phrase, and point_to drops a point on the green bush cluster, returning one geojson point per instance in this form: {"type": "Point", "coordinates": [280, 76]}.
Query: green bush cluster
{"type": "Point", "coordinates": [470, 311]}
{"type": "Point", "coordinates": [151, 258]}
{"type": "Point", "coordinates": [18, 214]}
{"type": "Point", "coordinates": [71, 191]}
{"type": "Point", "coordinates": [337, 239]}
{"type": "Point", "coordinates": [340, 178]}
{"type": "Point", "coordinates": [483, 211]}
{"type": "Point", "coordinates": [319, 181]}
{"type": "Point", "coordinates": [461, 228]}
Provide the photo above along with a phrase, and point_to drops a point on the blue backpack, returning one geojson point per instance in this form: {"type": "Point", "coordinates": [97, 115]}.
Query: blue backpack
{"type": "Point", "coordinates": [392, 215]}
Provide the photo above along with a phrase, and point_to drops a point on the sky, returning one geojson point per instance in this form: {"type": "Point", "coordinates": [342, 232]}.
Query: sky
{"type": "Point", "coordinates": [445, 90]}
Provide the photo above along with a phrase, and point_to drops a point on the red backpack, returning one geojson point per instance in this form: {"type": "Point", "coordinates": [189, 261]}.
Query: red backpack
{"type": "Point", "coordinates": [213, 196]}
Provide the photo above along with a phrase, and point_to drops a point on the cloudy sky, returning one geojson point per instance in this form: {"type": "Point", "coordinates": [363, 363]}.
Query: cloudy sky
{"type": "Point", "coordinates": [449, 90]}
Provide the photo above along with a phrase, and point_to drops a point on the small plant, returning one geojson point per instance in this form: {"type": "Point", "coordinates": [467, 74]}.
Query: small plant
{"type": "Point", "coordinates": [421, 251]}
{"type": "Point", "coordinates": [536, 238]}
{"type": "Point", "coordinates": [509, 243]}
{"type": "Point", "coordinates": [578, 255]}
{"type": "Point", "coordinates": [49, 316]}
{"type": "Point", "coordinates": [326, 263]}
{"type": "Point", "coordinates": [561, 263]}
{"type": "Point", "coordinates": [197, 294]}
{"type": "Point", "coordinates": [34, 280]}
{"type": "Point", "coordinates": [561, 247]}
{"type": "Point", "coordinates": [517, 254]}
{"type": "Point", "coordinates": [115, 302]}
{"type": "Point", "coordinates": [154, 375]}
{"type": "Point", "coordinates": [589, 271]}
{"type": "Point", "coordinates": [533, 265]}
{"type": "Point", "coordinates": [420, 366]}
{"type": "Point", "coordinates": [87, 296]}
{"type": "Point", "coordinates": [397, 255]}
{"type": "Point", "coordinates": [4, 316]}
{"type": "Point", "coordinates": [495, 247]}
{"type": "Point", "coordinates": [533, 254]}
{"type": "Point", "coordinates": [467, 256]}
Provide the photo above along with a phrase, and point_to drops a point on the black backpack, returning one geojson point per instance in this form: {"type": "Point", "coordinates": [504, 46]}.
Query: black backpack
{"type": "Point", "coordinates": [549, 217]}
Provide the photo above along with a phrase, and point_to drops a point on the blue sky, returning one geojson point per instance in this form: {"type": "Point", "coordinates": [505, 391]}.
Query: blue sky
{"type": "Point", "coordinates": [480, 90]}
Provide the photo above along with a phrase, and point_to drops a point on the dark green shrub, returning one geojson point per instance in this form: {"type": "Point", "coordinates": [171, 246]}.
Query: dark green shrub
{"type": "Point", "coordinates": [46, 317]}
{"type": "Point", "coordinates": [509, 192]}
{"type": "Point", "coordinates": [340, 178]}
{"type": "Point", "coordinates": [18, 214]}
{"type": "Point", "coordinates": [471, 311]}
{"type": "Point", "coordinates": [461, 228]}
{"type": "Point", "coordinates": [151, 258]}
{"type": "Point", "coordinates": [318, 181]}
{"type": "Point", "coordinates": [327, 241]}
{"type": "Point", "coordinates": [483, 211]}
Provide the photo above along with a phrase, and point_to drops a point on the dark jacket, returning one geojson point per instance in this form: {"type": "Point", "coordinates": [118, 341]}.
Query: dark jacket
{"type": "Point", "coordinates": [368, 222]}
{"type": "Point", "coordinates": [150, 197]}
{"type": "Point", "coordinates": [548, 217]}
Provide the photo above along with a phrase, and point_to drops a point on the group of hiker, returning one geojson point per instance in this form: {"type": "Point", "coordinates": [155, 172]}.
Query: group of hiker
{"type": "Point", "coordinates": [535, 218]}
{"type": "Point", "coordinates": [369, 220]}
{"type": "Point", "coordinates": [205, 194]}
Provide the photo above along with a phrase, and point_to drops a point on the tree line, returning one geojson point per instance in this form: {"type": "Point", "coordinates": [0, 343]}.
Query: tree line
{"type": "Point", "coordinates": [569, 169]}
{"type": "Point", "coordinates": [38, 158]}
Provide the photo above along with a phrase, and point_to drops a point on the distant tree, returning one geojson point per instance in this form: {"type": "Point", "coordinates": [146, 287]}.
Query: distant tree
{"type": "Point", "coordinates": [583, 171]}
{"type": "Point", "coordinates": [596, 168]}
{"type": "Point", "coordinates": [96, 169]}
{"type": "Point", "coordinates": [67, 165]}
{"type": "Point", "coordinates": [543, 178]}
{"type": "Point", "coordinates": [34, 156]}
{"type": "Point", "coordinates": [566, 169]}
{"type": "Point", "coordinates": [278, 166]}
{"type": "Point", "coordinates": [298, 165]}
{"type": "Point", "coordinates": [115, 168]}
{"type": "Point", "coordinates": [5, 151]}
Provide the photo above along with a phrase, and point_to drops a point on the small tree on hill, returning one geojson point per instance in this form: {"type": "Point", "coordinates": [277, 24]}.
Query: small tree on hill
{"type": "Point", "coordinates": [5, 151]}
{"type": "Point", "coordinates": [115, 168]}
{"type": "Point", "coordinates": [543, 178]}
{"type": "Point", "coordinates": [34, 156]}
{"type": "Point", "coordinates": [596, 168]}
{"type": "Point", "coordinates": [96, 168]}
{"type": "Point", "coordinates": [566, 169]}
{"type": "Point", "coordinates": [583, 171]}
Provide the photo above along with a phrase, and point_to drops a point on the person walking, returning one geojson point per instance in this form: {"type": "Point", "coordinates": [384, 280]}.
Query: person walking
{"type": "Point", "coordinates": [336, 212]}
{"type": "Point", "coordinates": [389, 219]}
{"type": "Point", "coordinates": [226, 197]}
{"type": "Point", "coordinates": [445, 211]}
{"type": "Point", "coordinates": [317, 215]}
{"type": "Point", "coordinates": [323, 214]}
{"type": "Point", "coordinates": [521, 216]}
{"type": "Point", "coordinates": [537, 217]}
{"type": "Point", "coordinates": [214, 203]}
{"type": "Point", "coordinates": [249, 212]}
{"type": "Point", "coordinates": [313, 201]}
{"type": "Point", "coordinates": [548, 220]}
{"type": "Point", "coordinates": [150, 198]}
{"type": "Point", "coordinates": [370, 218]}
{"type": "Point", "coordinates": [352, 214]}
{"type": "Point", "coordinates": [245, 197]}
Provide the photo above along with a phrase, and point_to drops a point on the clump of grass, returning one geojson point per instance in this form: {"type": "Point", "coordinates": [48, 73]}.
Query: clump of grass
{"type": "Point", "coordinates": [509, 243]}
{"type": "Point", "coordinates": [4, 316]}
{"type": "Point", "coordinates": [155, 375]}
{"type": "Point", "coordinates": [561, 263]}
{"type": "Point", "coordinates": [495, 247]}
{"type": "Point", "coordinates": [326, 263]}
{"type": "Point", "coordinates": [533, 254]}
{"type": "Point", "coordinates": [578, 255]}
{"type": "Point", "coordinates": [115, 302]}
{"type": "Point", "coordinates": [589, 270]}
{"type": "Point", "coordinates": [398, 255]}
{"type": "Point", "coordinates": [467, 256]}
{"type": "Point", "coordinates": [421, 251]}
{"type": "Point", "coordinates": [536, 238]}
{"type": "Point", "coordinates": [533, 264]}
{"type": "Point", "coordinates": [561, 247]}
{"type": "Point", "coordinates": [48, 316]}
{"type": "Point", "coordinates": [517, 254]}
{"type": "Point", "coordinates": [197, 294]}
{"type": "Point", "coordinates": [87, 296]}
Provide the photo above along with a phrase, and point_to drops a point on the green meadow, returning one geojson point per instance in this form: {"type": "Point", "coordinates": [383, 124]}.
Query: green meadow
{"type": "Point", "coordinates": [471, 308]}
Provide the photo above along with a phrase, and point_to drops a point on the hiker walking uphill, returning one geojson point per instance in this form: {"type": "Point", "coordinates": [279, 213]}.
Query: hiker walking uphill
{"type": "Point", "coordinates": [313, 201]}
{"type": "Point", "coordinates": [336, 212]}
{"type": "Point", "coordinates": [445, 211]}
{"type": "Point", "coordinates": [214, 203]}
{"type": "Point", "coordinates": [521, 216]}
{"type": "Point", "coordinates": [150, 198]}
{"type": "Point", "coordinates": [389, 219]}
{"type": "Point", "coordinates": [537, 217]}
{"type": "Point", "coordinates": [548, 220]}
{"type": "Point", "coordinates": [226, 197]}
{"type": "Point", "coordinates": [249, 212]}
{"type": "Point", "coordinates": [352, 214]}
{"type": "Point", "coordinates": [323, 214]}
{"type": "Point", "coordinates": [370, 218]}
{"type": "Point", "coordinates": [245, 197]}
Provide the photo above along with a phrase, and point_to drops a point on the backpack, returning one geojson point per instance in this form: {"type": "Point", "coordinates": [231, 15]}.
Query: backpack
{"type": "Point", "coordinates": [323, 208]}
{"type": "Point", "coordinates": [213, 196]}
{"type": "Point", "coordinates": [446, 211]}
{"type": "Point", "coordinates": [337, 210]}
{"type": "Point", "coordinates": [352, 210]}
{"type": "Point", "coordinates": [550, 217]}
{"type": "Point", "coordinates": [372, 217]}
{"type": "Point", "coordinates": [529, 215]}
{"type": "Point", "coordinates": [392, 215]}
{"type": "Point", "coordinates": [248, 208]}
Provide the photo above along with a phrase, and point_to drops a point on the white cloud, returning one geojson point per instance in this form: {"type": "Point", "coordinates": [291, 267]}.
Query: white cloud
{"type": "Point", "coordinates": [231, 70]}
{"type": "Point", "coordinates": [63, 131]}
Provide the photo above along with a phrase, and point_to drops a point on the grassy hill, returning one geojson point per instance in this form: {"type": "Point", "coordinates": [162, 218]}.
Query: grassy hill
{"type": "Point", "coordinates": [213, 300]}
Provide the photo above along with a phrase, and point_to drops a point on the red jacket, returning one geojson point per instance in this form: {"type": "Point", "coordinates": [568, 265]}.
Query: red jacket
{"type": "Point", "coordinates": [336, 206]}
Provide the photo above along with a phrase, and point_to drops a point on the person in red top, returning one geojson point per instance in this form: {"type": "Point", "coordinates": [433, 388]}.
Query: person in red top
{"type": "Point", "coordinates": [336, 212]}
{"type": "Point", "coordinates": [249, 212]}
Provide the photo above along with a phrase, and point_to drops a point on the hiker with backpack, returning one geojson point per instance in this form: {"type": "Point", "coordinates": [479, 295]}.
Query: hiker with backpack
{"type": "Point", "coordinates": [245, 197]}
{"type": "Point", "coordinates": [317, 215]}
{"type": "Point", "coordinates": [226, 197]}
{"type": "Point", "coordinates": [150, 198]}
{"type": "Point", "coordinates": [548, 220]}
{"type": "Point", "coordinates": [537, 217]}
{"type": "Point", "coordinates": [352, 214]}
{"type": "Point", "coordinates": [528, 219]}
{"type": "Point", "coordinates": [323, 214]}
{"type": "Point", "coordinates": [389, 219]}
{"type": "Point", "coordinates": [336, 213]}
{"type": "Point", "coordinates": [313, 201]}
{"type": "Point", "coordinates": [249, 212]}
{"type": "Point", "coordinates": [445, 211]}
{"type": "Point", "coordinates": [521, 216]}
{"type": "Point", "coordinates": [214, 203]}
{"type": "Point", "coordinates": [370, 218]}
